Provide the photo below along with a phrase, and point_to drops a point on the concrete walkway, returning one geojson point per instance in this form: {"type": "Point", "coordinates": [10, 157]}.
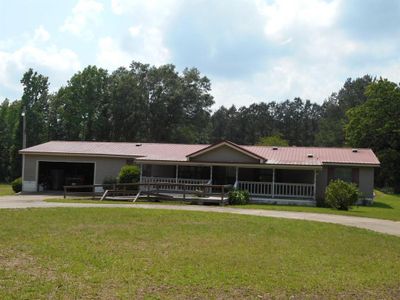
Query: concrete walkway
{"type": "Point", "coordinates": [378, 225]}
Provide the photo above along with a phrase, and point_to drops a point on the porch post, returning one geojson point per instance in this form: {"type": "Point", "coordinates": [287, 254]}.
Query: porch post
{"type": "Point", "coordinates": [176, 176]}
{"type": "Point", "coordinates": [141, 175]}
{"type": "Point", "coordinates": [211, 174]}
{"type": "Point", "coordinates": [273, 183]}
{"type": "Point", "coordinates": [315, 185]}
{"type": "Point", "coordinates": [237, 177]}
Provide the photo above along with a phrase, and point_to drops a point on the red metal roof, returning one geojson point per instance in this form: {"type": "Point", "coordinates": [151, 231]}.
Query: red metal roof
{"type": "Point", "coordinates": [179, 152]}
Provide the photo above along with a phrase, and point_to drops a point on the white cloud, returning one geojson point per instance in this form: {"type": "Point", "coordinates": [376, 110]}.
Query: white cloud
{"type": "Point", "coordinates": [284, 17]}
{"type": "Point", "coordinates": [145, 45]}
{"type": "Point", "coordinates": [41, 34]}
{"type": "Point", "coordinates": [35, 52]}
{"type": "Point", "coordinates": [84, 15]}
{"type": "Point", "coordinates": [110, 55]}
{"type": "Point", "coordinates": [135, 30]}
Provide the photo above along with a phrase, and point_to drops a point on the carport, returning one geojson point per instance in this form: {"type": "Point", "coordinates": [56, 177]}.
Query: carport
{"type": "Point", "coordinates": [52, 176]}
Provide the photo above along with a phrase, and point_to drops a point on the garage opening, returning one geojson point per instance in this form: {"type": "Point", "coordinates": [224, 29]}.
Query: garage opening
{"type": "Point", "coordinates": [53, 176]}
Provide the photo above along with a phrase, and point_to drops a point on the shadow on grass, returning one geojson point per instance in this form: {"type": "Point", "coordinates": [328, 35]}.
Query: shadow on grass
{"type": "Point", "coordinates": [381, 205]}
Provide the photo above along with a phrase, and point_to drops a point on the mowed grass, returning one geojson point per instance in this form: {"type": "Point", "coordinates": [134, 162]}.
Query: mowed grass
{"type": "Point", "coordinates": [110, 253]}
{"type": "Point", "coordinates": [385, 206]}
{"type": "Point", "coordinates": [5, 190]}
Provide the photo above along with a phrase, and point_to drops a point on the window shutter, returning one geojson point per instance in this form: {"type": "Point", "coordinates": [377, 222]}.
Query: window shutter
{"type": "Point", "coordinates": [355, 176]}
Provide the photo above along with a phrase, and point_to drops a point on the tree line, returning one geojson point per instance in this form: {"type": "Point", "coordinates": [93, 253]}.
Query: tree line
{"type": "Point", "coordinates": [159, 104]}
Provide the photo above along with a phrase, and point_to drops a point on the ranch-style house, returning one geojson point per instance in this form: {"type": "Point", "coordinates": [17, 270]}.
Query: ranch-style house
{"type": "Point", "coordinates": [286, 175]}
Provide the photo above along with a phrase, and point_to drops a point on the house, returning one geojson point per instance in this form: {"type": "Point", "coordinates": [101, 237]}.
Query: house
{"type": "Point", "coordinates": [287, 175]}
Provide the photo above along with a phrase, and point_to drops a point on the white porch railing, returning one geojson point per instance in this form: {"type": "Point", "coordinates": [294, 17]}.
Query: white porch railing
{"type": "Point", "coordinates": [256, 188]}
{"type": "Point", "coordinates": [174, 180]}
{"type": "Point", "coordinates": [296, 190]}
{"type": "Point", "coordinates": [292, 190]}
{"type": "Point", "coordinates": [266, 189]}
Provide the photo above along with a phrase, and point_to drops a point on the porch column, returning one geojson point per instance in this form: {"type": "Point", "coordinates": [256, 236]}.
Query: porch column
{"type": "Point", "coordinates": [315, 185]}
{"type": "Point", "coordinates": [176, 176]}
{"type": "Point", "coordinates": [237, 177]}
{"type": "Point", "coordinates": [211, 174]}
{"type": "Point", "coordinates": [273, 183]}
{"type": "Point", "coordinates": [140, 176]}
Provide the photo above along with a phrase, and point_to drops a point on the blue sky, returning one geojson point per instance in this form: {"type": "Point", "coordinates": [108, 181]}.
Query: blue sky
{"type": "Point", "coordinates": [252, 50]}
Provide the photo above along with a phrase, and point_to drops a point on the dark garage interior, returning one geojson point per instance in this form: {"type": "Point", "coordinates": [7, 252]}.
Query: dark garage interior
{"type": "Point", "coordinates": [53, 176]}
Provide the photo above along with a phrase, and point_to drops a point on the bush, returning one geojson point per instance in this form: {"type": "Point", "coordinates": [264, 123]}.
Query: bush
{"type": "Point", "coordinates": [341, 195]}
{"type": "Point", "coordinates": [238, 197]}
{"type": "Point", "coordinates": [129, 174]}
{"type": "Point", "coordinates": [16, 185]}
{"type": "Point", "coordinates": [109, 181]}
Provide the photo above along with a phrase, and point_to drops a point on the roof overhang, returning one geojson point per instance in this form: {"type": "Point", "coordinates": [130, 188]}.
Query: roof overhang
{"type": "Point", "coordinates": [350, 164]}
{"type": "Point", "coordinates": [79, 154]}
{"type": "Point", "coordinates": [240, 165]}
{"type": "Point", "coordinates": [230, 145]}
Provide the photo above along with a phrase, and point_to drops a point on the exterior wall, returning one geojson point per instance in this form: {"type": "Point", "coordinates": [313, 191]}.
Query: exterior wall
{"type": "Point", "coordinates": [104, 167]}
{"type": "Point", "coordinates": [225, 154]}
{"type": "Point", "coordinates": [322, 179]}
{"type": "Point", "coordinates": [365, 182]}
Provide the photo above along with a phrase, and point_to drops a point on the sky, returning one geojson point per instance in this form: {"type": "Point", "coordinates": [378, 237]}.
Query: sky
{"type": "Point", "coordinates": [252, 50]}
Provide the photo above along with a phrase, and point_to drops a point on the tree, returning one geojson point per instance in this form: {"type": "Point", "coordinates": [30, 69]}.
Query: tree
{"type": "Point", "coordinates": [35, 100]}
{"type": "Point", "coordinates": [273, 140]}
{"type": "Point", "coordinates": [375, 124]}
{"type": "Point", "coordinates": [82, 106]}
{"type": "Point", "coordinates": [333, 118]}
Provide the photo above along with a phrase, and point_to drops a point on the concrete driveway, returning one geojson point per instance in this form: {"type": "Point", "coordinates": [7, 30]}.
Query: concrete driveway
{"type": "Point", "coordinates": [378, 225]}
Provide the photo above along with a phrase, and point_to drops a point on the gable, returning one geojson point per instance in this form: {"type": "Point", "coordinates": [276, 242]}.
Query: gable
{"type": "Point", "coordinates": [224, 154]}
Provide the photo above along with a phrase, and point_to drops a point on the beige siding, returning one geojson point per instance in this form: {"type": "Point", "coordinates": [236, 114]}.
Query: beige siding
{"type": "Point", "coordinates": [103, 166]}
{"type": "Point", "coordinates": [366, 182]}
{"type": "Point", "coordinates": [225, 154]}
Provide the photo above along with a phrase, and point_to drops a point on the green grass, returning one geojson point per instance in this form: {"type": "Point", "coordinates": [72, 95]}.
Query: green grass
{"type": "Point", "coordinates": [71, 253]}
{"type": "Point", "coordinates": [5, 190]}
{"type": "Point", "coordinates": [97, 201]}
{"type": "Point", "coordinates": [385, 206]}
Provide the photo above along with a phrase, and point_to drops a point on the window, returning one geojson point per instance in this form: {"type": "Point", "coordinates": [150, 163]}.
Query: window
{"type": "Point", "coordinates": [344, 174]}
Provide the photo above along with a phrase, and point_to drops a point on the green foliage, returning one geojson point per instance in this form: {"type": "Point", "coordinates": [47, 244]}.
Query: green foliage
{"type": "Point", "coordinates": [238, 197]}
{"type": "Point", "coordinates": [17, 185]}
{"type": "Point", "coordinates": [273, 140]}
{"type": "Point", "coordinates": [341, 195]}
{"type": "Point", "coordinates": [109, 181]}
{"type": "Point", "coordinates": [375, 124]}
{"type": "Point", "coordinates": [129, 174]}
{"type": "Point", "coordinates": [331, 124]}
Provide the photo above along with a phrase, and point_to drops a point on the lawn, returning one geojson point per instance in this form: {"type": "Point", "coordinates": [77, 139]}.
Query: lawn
{"type": "Point", "coordinates": [386, 206]}
{"type": "Point", "coordinates": [72, 253]}
{"type": "Point", "coordinates": [5, 190]}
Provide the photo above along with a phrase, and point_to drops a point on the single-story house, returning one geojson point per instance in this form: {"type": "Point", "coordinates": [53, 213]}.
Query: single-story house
{"type": "Point", "coordinates": [270, 174]}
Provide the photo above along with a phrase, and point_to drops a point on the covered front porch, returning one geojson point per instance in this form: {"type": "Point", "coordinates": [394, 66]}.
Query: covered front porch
{"type": "Point", "coordinates": [265, 184]}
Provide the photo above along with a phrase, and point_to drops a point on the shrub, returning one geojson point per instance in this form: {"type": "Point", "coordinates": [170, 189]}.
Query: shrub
{"type": "Point", "coordinates": [129, 174]}
{"type": "Point", "coordinates": [238, 197]}
{"type": "Point", "coordinates": [341, 195]}
{"type": "Point", "coordinates": [108, 182]}
{"type": "Point", "coordinates": [16, 185]}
